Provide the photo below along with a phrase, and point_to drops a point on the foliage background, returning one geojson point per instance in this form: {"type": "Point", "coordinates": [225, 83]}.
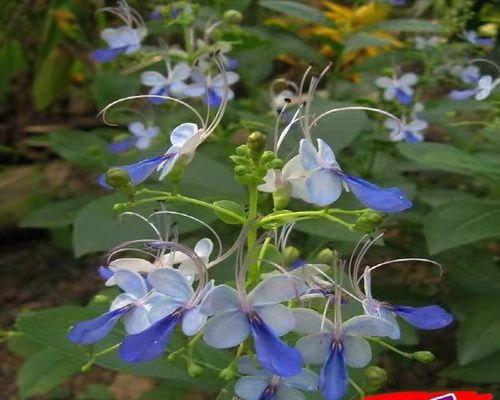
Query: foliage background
{"type": "Point", "coordinates": [55, 221]}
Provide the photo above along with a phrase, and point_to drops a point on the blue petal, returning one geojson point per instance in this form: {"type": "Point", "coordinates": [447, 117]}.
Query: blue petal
{"type": "Point", "coordinates": [324, 186]}
{"type": "Point", "coordinates": [485, 41]}
{"type": "Point", "coordinates": [333, 378]}
{"type": "Point", "coordinates": [139, 171]}
{"type": "Point", "coordinates": [274, 354]}
{"type": "Point", "coordinates": [462, 94]}
{"type": "Point", "coordinates": [231, 64]}
{"type": "Point", "coordinates": [386, 200]}
{"type": "Point", "coordinates": [411, 138]}
{"type": "Point", "coordinates": [96, 329]}
{"type": "Point", "coordinates": [427, 317]}
{"type": "Point", "coordinates": [152, 342]}
{"type": "Point", "coordinates": [161, 92]}
{"type": "Point", "coordinates": [105, 55]}
{"type": "Point", "coordinates": [403, 97]}
{"type": "Point", "coordinates": [122, 145]}
{"type": "Point", "coordinates": [105, 273]}
{"type": "Point", "coordinates": [212, 98]}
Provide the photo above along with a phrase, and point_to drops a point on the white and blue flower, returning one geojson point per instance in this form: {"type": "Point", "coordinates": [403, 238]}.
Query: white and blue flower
{"type": "Point", "coordinates": [400, 89]}
{"type": "Point", "coordinates": [141, 139]}
{"type": "Point", "coordinates": [482, 90]}
{"type": "Point", "coordinates": [211, 89]}
{"type": "Point", "coordinates": [410, 132]}
{"type": "Point", "coordinates": [473, 38]}
{"type": "Point", "coordinates": [171, 85]}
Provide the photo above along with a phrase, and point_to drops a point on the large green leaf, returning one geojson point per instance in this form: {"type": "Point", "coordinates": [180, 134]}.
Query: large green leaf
{"type": "Point", "coordinates": [12, 60]}
{"type": "Point", "coordinates": [53, 215]}
{"type": "Point", "coordinates": [45, 370]}
{"type": "Point", "coordinates": [479, 331]}
{"type": "Point", "coordinates": [98, 228]}
{"type": "Point", "coordinates": [49, 328]}
{"type": "Point", "coordinates": [110, 86]}
{"type": "Point", "coordinates": [51, 78]}
{"type": "Point", "coordinates": [82, 148]}
{"type": "Point", "coordinates": [448, 158]}
{"type": "Point", "coordinates": [406, 25]}
{"type": "Point", "coordinates": [486, 370]}
{"type": "Point", "coordinates": [295, 9]}
{"type": "Point", "coordinates": [461, 222]}
{"type": "Point", "coordinates": [363, 40]}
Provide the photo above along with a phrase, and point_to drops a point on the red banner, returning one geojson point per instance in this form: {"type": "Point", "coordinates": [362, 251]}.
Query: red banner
{"type": "Point", "coordinates": [452, 395]}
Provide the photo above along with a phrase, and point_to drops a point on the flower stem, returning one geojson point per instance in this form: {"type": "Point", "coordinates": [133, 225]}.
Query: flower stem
{"type": "Point", "coordinates": [357, 388]}
{"type": "Point", "coordinates": [390, 347]}
{"type": "Point", "coordinates": [253, 196]}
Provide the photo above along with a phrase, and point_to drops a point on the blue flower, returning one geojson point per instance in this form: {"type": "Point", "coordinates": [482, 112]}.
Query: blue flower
{"type": "Point", "coordinates": [185, 140]}
{"type": "Point", "coordinates": [176, 303]}
{"type": "Point", "coordinates": [171, 85]}
{"type": "Point", "coordinates": [473, 38]}
{"type": "Point", "coordinates": [398, 88]}
{"type": "Point", "coordinates": [212, 89]}
{"type": "Point", "coordinates": [469, 75]}
{"type": "Point", "coordinates": [410, 132]}
{"type": "Point", "coordinates": [427, 317]}
{"type": "Point", "coordinates": [483, 89]}
{"type": "Point", "coordinates": [322, 181]}
{"type": "Point", "coordinates": [142, 136]}
{"type": "Point", "coordinates": [237, 315]}
{"type": "Point", "coordinates": [260, 384]}
{"type": "Point", "coordinates": [336, 347]}
{"type": "Point", "coordinates": [132, 306]}
{"type": "Point", "coordinates": [125, 39]}
{"type": "Point", "coordinates": [426, 43]}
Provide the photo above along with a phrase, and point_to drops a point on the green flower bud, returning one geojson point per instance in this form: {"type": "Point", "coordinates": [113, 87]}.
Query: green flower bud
{"type": "Point", "coordinates": [376, 375]}
{"type": "Point", "coordinates": [242, 150]}
{"type": "Point", "coordinates": [275, 164]}
{"type": "Point", "coordinates": [194, 370]}
{"type": "Point", "coordinates": [228, 373]}
{"type": "Point", "coordinates": [325, 256]}
{"type": "Point", "coordinates": [281, 198]}
{"type": "Point", "coordinates": [101, 298]}
{"type": "Point", "coordinates": [239, 160]}
{"type": "Point", "coordinates": [256, 142]}
{"type": "Point", "coordinates": [241, 170]}
{"type": "Point", "coordinates": [368, 221]}
{"type": "Point", "coordinates": [87, 367]}
{"type": "Point", "coordinates": [117, 178]}
{"type": "Point", "coordinates": [233, 17]}
{"type": "Point", "coordinates": [290, 254]}
{"type": "Point", "coordinates": [267, 156]}
{"type": "Point", "coordinates": [250, 179]}
{"type": "Point", "coordinates": [425, 357]}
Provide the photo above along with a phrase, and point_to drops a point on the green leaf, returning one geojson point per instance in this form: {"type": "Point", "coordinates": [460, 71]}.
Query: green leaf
{"type": "Point", "coordinates": [98, 228]}
{"type": "Point", "coordinates": [82, 148]}
{"type": "Point", "coordinates": [12, 60]}
{"type": "Point", "coordinates": [448, 158]}
{"type": "Point", "coordinates": [486, 370]}
{"type": "Point", "coordinates": [45, 370]}
{"type": "Point", "coordinates": [479, 331]}
{"type": "Point", "coordinates": [363, 40]}
{"type": "Point", "coordinates": [110, 86]}
{"type": "Point", "coordinates": [52, 78]}
{"type": "Point", "coordinates": [295, 9]}
{"type": "Point", "coordinates": [461, 222]}
{"type": "Point", "coordinates": [406, 25]}
{"type": "Point", "coordinates": [53, 215]}
{"type": "Point", "coordinates": [230, 206]}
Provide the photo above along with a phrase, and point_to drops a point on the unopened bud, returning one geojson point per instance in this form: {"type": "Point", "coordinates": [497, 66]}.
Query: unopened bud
{"type": "Point", "coordinates": [101, 298]}
{"type": "Point", "coordinates": [290, 254]}
{"type": "Point", "coordinates": [376, 375]}
{"type": "Point", "coordinates": [325, 256]}
{"type": "Point", "coordinates": [256, 142]}
{"type": "Point", "coordinates": [281, 198]}
{"type": "Point", "coordinates": [117, 178]}
{"type": "Point", "coordinates": [242, 150]}
{"type": "Point", "coordinates": [267, 156]}
{"type": "Point", "coordinates": [275, 164]}
{"type": "Point", "coordinates": [233, 17]}
{"type": "Point", "coordinates": [194, 370]}
{"type": "Point", "coordinates": [425, 357]}
{"type": "Point", "coordinates": [241, 170]}
{"type": "Point", "coordinates": [228, 374]}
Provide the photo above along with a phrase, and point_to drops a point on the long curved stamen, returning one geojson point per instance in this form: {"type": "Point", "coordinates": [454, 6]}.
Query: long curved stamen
{"type": "Point", "coordinates": [236, 245]}
{"type": "Point", "coordinates": [143, 219]}
{"type": "Point", "coordinates": [125, 246]}
{"type": "Point", "coordinates": [285, 81]}
{"type": "Point", "coordinates": [104, 111]}
{"type": "Point", "coordinates": [212, 230]}
{"type": "Point", "coordinates": [485, 61]}
{"type": "Point", "coordinates": [225, 93]}
{"type": "Point", "coordinates": [313, 86]}
{"type": "Point", "coordinates": [355, 108]}
{"type": "Point", "coordinates": [286, 231]}
{"type": "Point", "coordinates": [286, 130]}
{"type": "Point", "coordinates": [335, 283]}
{"type": "Point", "coordinates": [357, 263]}
{"type": "Point", "coordinates": [208, 32]}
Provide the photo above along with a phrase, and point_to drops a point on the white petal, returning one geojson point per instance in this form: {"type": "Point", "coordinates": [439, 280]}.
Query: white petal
{"type": "Point", "coordinates": [250, 387]}
{"type": "Point", "coordinates": [384, 82]}
{"type": "Point", "coordinates": [389, 93]}
{"type": "Point", "coordinates": [153, 78]}
{"type": "Point", "coordinates": [131, 282]}
{"type": "Point", "coordinates": [195, 90]}
{"type": "Point", "coordinates": [180, 72]}
{"type": "Point", "coordinates": [357, 351]}
{"type": "Point", "coordinates": [183, 133]}
{"type": "Point", "coordinates": [143, 143]}
{"type": "Point", "coordinates": [391, 123]}
{"type": "Point", "coordinates": [193, 321]}
{"type": "Point", "coordinates": [367, 326]}
{"type": "Point", "coordinates": [204, 248]}
{"type": "Point", "coordinates": [132, 264]}
{"type": "Point", "coordinates": [171, 283]}
{"type": "Point", "coordinates": [323, 186]}
{"type": "Point", "coordinates": [160, 306]}
{"type": "Point", "coordinates": [408, 79]}
{"type": "Point", "coordinates": [310, 321]}
{"type": "Point", "coordinates": [326, 152]}
{"type": "Point", "coordinates": [220, 299]}
{"type": "Point", "coordinates": [218, 81]}
{"type": "Point", "coordinates": [288, 393]}
{"type": "Point", "coordinates": [137, 128]}
{"type": "Point", "coordinates": [485, 82]}
{"type": "Point", "coordinates": [308, 155]}
{"type": "Point", "coordinates": [136, 320]}
{"type": "Point", "coordinates": [417, 125]}
{"type": "Point", "coordinates": [269, 186]}
{"type": "Point", "coordinates": [276, 289]}
{"type": "Point", "coordinates": [305, 380]}
{"type": "Point", "coordinates": [278, 317]}
{"type": "Point", "coordinates": [314, 348]}
{"type": "Point", "coordinates": [122, 300]}
{"type": "Point", "coordinates": [226, 330]}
